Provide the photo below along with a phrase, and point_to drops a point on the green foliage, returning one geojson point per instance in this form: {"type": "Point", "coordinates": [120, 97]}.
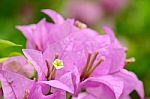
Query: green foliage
{"type": "Point", "coordinates": [5, 44]}
{"type": "Point", "coordinates": [133, 25]}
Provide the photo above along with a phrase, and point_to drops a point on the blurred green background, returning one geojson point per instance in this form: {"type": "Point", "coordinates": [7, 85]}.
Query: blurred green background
{"type": "Point", "coordinates": [131, 24]}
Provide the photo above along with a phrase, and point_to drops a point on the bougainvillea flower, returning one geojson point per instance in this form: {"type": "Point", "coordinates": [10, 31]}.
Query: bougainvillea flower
{"type": "Point", "coordinates": [14, 85]}
{"type": "Point", "coordinates": [90, 44]}
{"type": "Point", "coordinates": [20, 65]}
{"type": "Point", "coordinates": [80, 9]}
{"type": "Point", "coordinates": [57, 48]}
{"type": "Point", "coordinates": [94, 55]}
{"type": "Point", "coordinates": [101, 87]}
{"type": "Point", "coordinates": [131, 83]}
{"type": "Point", "coordinates": [37, 93]}
{"type": "Point", "coordinates": [114, 42]}
{"type": "Point", "coordinates": [104, 87]}
{"type": "Point", "coordinates": [117, 63]}
{"type": "Point", "coordinates": [113, 7]}
{"type": "Point", "coordinates": [101, 11]}
{"type": "Point", "coordinates": [69, 58]}
{"type": "Point", "coordinates": [38, 34]}
{"type": "Point", "coordinates": [115, 86]}
{"type": "Point", "coordinates": [48, 71]}
{"type": "Point", "coordinates": [85, 42]}
{"type": "Point", "coordinates": [49, 62]}
{"type": "Point", "coordinates": [36, 58]}
{"type": "Point", "coordinates": [114, 48]}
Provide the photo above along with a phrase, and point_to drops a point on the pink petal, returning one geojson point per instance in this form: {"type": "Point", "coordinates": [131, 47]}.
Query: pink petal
{"type": "Point", "coordinates": [131, 83]}
{"type": "Point", "coordinates": [41, 34]}
{"type": "Point", "coordinates": [57, 18]}
{"type": "Point", "coordinates": [66, 82]}
{"type": "Point", "coordinates": [79, 9]}
{"type": "Point", "coordinates": [27, 30]}
{"type": "Point", "coordinates": [36, 34]}
{"type": "Point", "coordinates": [114, 41]}
{"type": "Point", "coordinates": [118, 57]}
{"type": "Point", "coordinates": [67, 79]}
{"type": "Point", "coordinates": [109, 31]}
{"type": "Point", "coordinates": [140, 89]}
{"type": "Point", "coordinates": [36, 93]}
{"type": "Point", "coordinates": [85, 95]}
{"type": "Point", "coordinates": [57, 84]}
{"type": "Point", "coordinates": [14, 85]}
{"type": "Point", "coordinates": [19, 65]}
{"type": "Point", "coordinates": [101, 86]}
{"type": "Point", "coordinates": [36, 58]}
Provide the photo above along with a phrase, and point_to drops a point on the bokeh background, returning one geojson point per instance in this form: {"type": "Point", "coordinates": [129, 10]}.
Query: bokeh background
{"type": "Point", "coordinates": [130, 20]}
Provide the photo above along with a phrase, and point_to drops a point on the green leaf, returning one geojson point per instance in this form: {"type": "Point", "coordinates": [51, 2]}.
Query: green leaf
{"type": "Point", "coordinates": [4, 44]}
{"type": "Point", "coordinates": [15, 54]}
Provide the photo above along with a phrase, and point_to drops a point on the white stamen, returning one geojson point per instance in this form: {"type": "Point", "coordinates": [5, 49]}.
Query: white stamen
{"type": "Point", "coordinates": [58, 64]}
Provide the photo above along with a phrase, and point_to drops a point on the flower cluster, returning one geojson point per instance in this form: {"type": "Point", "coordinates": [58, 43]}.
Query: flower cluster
{"type": "Point", "coordinates": [100, 10]}
{"type": "Point", "coordinates": [67, 60]}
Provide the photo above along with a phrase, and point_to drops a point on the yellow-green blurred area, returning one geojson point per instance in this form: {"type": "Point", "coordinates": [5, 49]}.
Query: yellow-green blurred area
{"type": "Point", "coordinates": [131, 25]}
